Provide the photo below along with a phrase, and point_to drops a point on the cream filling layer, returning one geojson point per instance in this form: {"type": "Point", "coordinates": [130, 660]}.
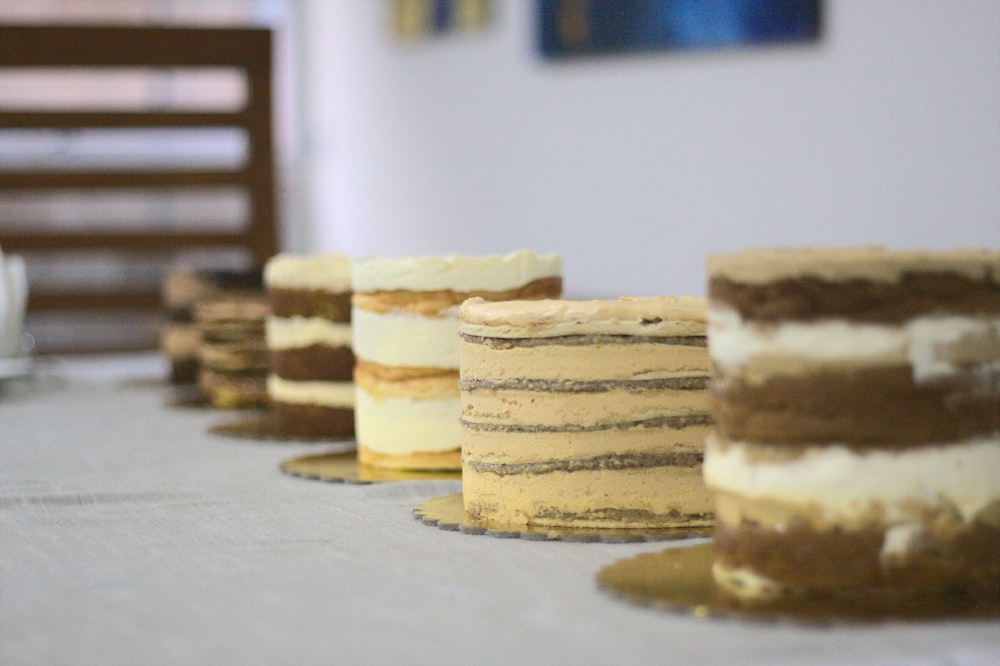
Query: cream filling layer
{"type": "Point", "coordinates": [403, 426]}
{"type": "Point", "coordinates": [330, 272]}
{"type": "Point", "coordinates": [406, 340]}
{"type": "Point", "coordinates": [844, 485]}
{"type": "Point", "coordinates": [538, 499]}
{"type": "Point", "coordinates": [607, 361]}
{"type": "Point", "coordinates": [497, 446]}
{"type": "Point", "coordinates": [454, 273]}
{"type": "Point", "coordinates": [297, 332]}
{"type": "Point", "coordinates": [561, 409]}
{"type": "Point", "coordinates": [932, 346]}
{"type": "Point", "coordinates": [326, 394]}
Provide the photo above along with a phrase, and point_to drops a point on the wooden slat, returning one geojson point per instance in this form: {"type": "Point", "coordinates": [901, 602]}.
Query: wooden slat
{"type": "Point", "coordinates": [119, 300]}
{"type": "Point", "coordinates": [118, 119]}
{"type": "Point", "coordinates": [116, 179]}
{"type": "Point", "coordinates": [131, 46]}
{"type": "Point", "coordinates": [121, 241]}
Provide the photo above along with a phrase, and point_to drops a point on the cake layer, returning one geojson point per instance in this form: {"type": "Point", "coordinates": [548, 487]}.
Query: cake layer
{"type": "Point", "coordinates": [307, 420]}
{"type": "Point", "coordinates": [296, 332]}
{"type": "Point", "coordinates": [446, 302]}
{"type": "Point", "coordinates": [489, 273]}
{"type": "Point", "coordinates": [644, 317]}
{"type": "Point", "coordinates": [753, 559]}
{"type": "Point", "coordinates": [248, 354]}
{"type": "Point", "coordinates": [868, 263]}
{"type": "Point", "coordinates": [314, 363]}
{"type": "Point", "coordinates": [403, 339]}
{"type": "Point", "coordinates": [550, 410]}
{"type": "Point", "coordinates": [631, 497]}
{"type": "Point", "coordinates": [404, 425]}
{"type": "Point", "coordinates": [583, 358]}
{"type": "Point", "coordinates": [877, 407]}
{"type": "Point", "coordinates": [417, 383]}
{"type": "Point", "coordinates": [328, 273]}
{"type": "Point", "coordinates": [438, 460]}
{"type": "Point", "coordinates": [233, 390]}
{"type": "Point", "coordinates": [933, 346]}
{"type": "Point", "coordinates": [497, 446]}
{"type": "Point", "coordinates": [180, 341]}
{"type": "Point", "coordinates": [326, 394]}
{"type": "Point", "coordinates": [333, 306]}
{"type": "Point", "coordinates": [829, 486]}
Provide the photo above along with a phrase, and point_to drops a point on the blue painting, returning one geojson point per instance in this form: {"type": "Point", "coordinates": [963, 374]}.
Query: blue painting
{"type": "Point", "coordinates": [569, 28]}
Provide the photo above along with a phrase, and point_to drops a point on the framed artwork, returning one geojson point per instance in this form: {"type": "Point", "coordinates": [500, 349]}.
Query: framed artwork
{"type": "Point", "coordinates": [417, 19]}
{"type": "Point", "coordinates": [572, 28]}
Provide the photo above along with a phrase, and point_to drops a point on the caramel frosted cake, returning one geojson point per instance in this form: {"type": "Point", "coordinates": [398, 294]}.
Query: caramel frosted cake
{"type": "Point", "coordinates": [309, 338]}
{"type": "Point", "coordinates": [858, 410]}
{"type": "Point", "coordinates": [405, 323]}
{"type": "Point", "coordinates": [232, 353]}
{"type": "Point", "coordinates": [585, 413]}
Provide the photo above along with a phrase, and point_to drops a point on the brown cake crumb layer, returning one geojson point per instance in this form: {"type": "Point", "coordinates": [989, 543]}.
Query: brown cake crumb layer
{"type": "Point", "coordinates": [840, 562]}
{"type": "Point", "coordinates": [809, 298]}
{"type": "Point", "coordinates": [859, 407]}
{"type": "Point", "coordinates": [313, 420]}
{"type": "Point", "coordinates": [599, 463]}
{"type": "Point", "coordinates": [584, 341]}
{"type": "Point", "coordinates": [678, 422]}
{"type": "Point", "coordinates": [313, 363]}
{"type": "Point", "coordinates": [577, 386]}
{"type": "Point", "coordinates": [334, 306]}
{"type": "Point", "coordinates": [441, 460]}
{"type": "Point", "coordinates": [430, 303]}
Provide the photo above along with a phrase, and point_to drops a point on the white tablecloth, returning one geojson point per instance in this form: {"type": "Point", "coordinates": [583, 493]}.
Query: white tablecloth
{"type": "Point", "coordinates": [130, 535]}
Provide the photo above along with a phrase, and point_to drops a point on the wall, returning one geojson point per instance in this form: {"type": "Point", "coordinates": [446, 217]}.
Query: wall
{"type": "Point", "coordinates": [636, 168]}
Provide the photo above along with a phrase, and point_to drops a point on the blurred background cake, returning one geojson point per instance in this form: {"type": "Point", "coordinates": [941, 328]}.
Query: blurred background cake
{"type": "Point", "coordinates": [182, 287]}
{"type": "Point", "coordinates": [232, 354]}
{"type": "Point", "coordinates": [13, 303]}
{"type": "Point", "coordinates": [405, 322]}
{"type": "Point", "coordinates": [858, 409]}
{"type": "Point", "coordinates": [309, 339]}
{"type": "Point", "coordinates": [585, 413]}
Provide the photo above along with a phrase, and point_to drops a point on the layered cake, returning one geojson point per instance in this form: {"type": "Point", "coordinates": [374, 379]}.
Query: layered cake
{"type": "Point", "coordinates": [858, 411]}
{"type": "Point", "coordinates": [13, 304]}
{"type": "Point", "coordinates": [309, 338]}
{"type": "Point", "coordinates": [180, 339]}
{"type": "Point", "coordinates": [232, 355]}
{"type": "Point", "coordinates": [585, 413]}
{"type": "Point", "coordinates": [405, 323]}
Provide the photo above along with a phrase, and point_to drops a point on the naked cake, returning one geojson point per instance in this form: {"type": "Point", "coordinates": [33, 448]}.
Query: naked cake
{"type": "Point", "coordinates": [585, 413]}
{"type": "Point", "coordinates": [858, 409]}
{"type": "Point", "coordinates": [232, 353]}
{"type": "Point", "coordinates": [405, 330]}
{"type": "Point", "coordinates": [309, 338]}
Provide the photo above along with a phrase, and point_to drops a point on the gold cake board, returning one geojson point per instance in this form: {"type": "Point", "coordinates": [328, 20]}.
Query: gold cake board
{"type": "Point", "coordinates": [265, 426]}
{"type": "Point", "coordinates": [343, 467]}
{"type": "Point", "coordinates": [448, 513]}
{"type": "Point", "coordinates": [680, 580]}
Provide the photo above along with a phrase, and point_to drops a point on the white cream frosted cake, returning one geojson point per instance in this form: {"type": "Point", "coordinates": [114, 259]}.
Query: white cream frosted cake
{"type": "Point", "coordinates": [405, 331]}
{"type": "Point", "coordinates": [858, 411]}
{"type": "Point", "coordinates": [585, 413]}
{"type": "Point", "coordinates": [309, 339]}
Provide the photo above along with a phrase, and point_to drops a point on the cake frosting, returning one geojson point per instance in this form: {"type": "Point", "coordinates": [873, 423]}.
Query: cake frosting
{"type": "Point", "coordinates": [585, 413]}
{"type": "Point", "coordinates": [309, 337]}
{"type": "Point", "coordinates": [405, 332]}
{"type": "Point", "coordinates": [858, 407]}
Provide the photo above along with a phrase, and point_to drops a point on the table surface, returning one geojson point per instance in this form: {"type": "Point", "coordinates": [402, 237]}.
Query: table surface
{"type": "Point", "coordinates": [129, 534]}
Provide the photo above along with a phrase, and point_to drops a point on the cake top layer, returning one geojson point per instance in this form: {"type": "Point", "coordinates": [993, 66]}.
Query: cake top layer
{"type": "Point", "coordinates": [454, 273]}
{"type": "Point", "coordinates": [653, 317]}
{"type": "Point", "coordinates": [328, 272]}
{"type": "Point", "coordinates": [871, 263]}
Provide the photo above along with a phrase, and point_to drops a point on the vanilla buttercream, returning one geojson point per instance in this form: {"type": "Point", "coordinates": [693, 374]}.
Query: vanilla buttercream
{"type": "Point", "coordinates": [403, 339]}
{"type": "Point", "coordinates": [326, 394]}
{"type": "Point", "coordinates": [457, 273]}
{"type": "Point", "coordinates": [331, 272]}
{"type": "Point", "coordinates": [297, 332]}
